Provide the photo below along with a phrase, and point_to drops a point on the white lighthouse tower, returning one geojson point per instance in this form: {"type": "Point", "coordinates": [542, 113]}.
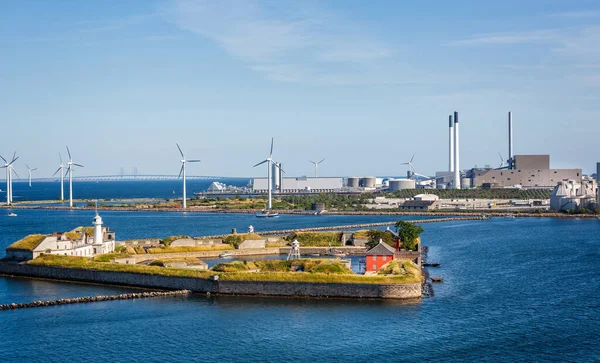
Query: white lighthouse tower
{"type": "Point", "coordinates": [97, 229]}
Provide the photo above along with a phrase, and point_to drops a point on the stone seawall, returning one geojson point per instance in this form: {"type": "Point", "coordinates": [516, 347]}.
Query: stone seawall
{"type": "Point", "coordinates": [270, 288]}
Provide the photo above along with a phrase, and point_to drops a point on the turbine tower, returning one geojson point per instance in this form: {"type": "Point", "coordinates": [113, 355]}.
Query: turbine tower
{"type": "Point", "coordinates": [30, 170]}
{"type": "Point", "coordinates": [71, 164]}
{"type": "Point", "coordinates": [9, 171]}
{"type": "Point", "coordinates": [268, 160]}
{"type": "Point", "coordinates": [182, 172]}
{"type": "Point", "coordinates": [317, 166]}
{"type": "Point", "coordinates": [61, 168]}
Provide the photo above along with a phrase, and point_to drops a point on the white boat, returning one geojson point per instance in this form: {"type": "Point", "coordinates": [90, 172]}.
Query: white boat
{"type": "Point", "coordinates": [12, 214]}
{"type": "Point", "coordinates": [267, 214]}
{"type": "Point", "coordinates": [226, 255]}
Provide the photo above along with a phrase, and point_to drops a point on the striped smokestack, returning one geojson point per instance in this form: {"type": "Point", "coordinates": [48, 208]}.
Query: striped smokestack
{"type": "Point", "coordinates": [456, 153]}
{"type": "Point", "coordinates": [451, 143]}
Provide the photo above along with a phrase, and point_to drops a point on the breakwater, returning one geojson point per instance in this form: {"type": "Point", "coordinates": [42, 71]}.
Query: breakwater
{"type": "Point", "coordinates": [90, 299]}
{"type": "Point", "coordinates": [352, 226]}
{"type": "Point", "coordinates": [217, 286]}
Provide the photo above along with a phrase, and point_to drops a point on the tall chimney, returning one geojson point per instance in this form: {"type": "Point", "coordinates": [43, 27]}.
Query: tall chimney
{"type": "Point", "coordinates": [456, 153]}
{"type": "Point", "coordinates": [510, 141]}
{"type": "Point", "coordinates": [451, 143]}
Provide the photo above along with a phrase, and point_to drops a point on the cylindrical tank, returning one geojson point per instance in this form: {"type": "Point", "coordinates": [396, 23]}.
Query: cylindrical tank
{"type": "Point", "coordinates": [466, 183]}
{"type": "Point", "coordinates": [275, 176]}
{"type": "Point", "coordinates": [400, 184]}
{"type": "Point", "coordinates": [317, 206]}
{"type": "Point", "coordinates": [368, 182]}
{"type": "Point", "coordinates": [353, 182]}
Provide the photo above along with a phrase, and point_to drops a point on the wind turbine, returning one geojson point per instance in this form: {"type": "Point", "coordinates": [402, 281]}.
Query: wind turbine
{"type": "Point", "coordinates": [411, 169]}
{"type": "Point", "coordinates": [61, 168]}
{"type": "Point", "coordinates": [317, 166]}
{"type": "Point", "coordinates": [9, 171]}
{"type": "Point", "coordinates": [71, 164]}
{"type": "Point", "coordinates": [268, 160]}
{"type": "Point", "coordinates": [502, 163]}
{"type": "Point", "coordinates": [182, 171]}
{"type": "Point", "coordinates": [30, 170]}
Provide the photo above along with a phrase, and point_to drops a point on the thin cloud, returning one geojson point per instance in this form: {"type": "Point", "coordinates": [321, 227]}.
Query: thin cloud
{"type": "Point", "coordinates": [511, 38]}
{"type": "Point", "coordinates": [577, 14]}
{"type": "Point", "coordinates": [285, 41]}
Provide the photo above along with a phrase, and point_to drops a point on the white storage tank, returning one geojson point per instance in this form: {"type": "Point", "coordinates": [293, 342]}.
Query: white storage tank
{"type": "Point", "coordinates": [353, 182]}
{"type": "Point", "coordinates": [368, 182]}
{"type": "Point", "coordinates": [400, 184]}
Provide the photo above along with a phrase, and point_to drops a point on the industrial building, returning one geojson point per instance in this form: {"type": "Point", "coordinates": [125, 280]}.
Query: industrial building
{"type": "Point", "coordinates": [571, 195]}
{"type": "Point", "coordinates": [528, 171]}
{"type": "Point", "coordinates": [301, 184]}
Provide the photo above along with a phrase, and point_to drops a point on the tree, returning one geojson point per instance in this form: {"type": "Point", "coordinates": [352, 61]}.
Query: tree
{"type": "Point", "coordinates": [409, 234]}
{"type": "Point", "coordinates": [375, 235]}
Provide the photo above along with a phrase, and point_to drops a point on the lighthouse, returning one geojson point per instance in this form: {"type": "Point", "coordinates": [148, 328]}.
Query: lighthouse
{"type": "Point", "coordinates": [97, 229]}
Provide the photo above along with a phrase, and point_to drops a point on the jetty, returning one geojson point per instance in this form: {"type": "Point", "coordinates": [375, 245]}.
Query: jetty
{"type": "Point", "coordinates": [90, 299]}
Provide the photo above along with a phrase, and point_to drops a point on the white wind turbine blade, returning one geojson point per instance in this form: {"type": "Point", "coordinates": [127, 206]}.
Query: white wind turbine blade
{"type": "Point", "coordinates": [68, 169]}
{"type": "Point", "coordinates": [69, 152]}
{"type": "Point", "coordinates": [79, 165]}
{"type": "Point", "coordinates": [280, 169]}
{"type": "Point", "coordinates": [14, 171]}
{"type": "Point", "coordinates": [262, 162]}
{"type": "Point", "coordinates": [13, 160]}
{"type": "Point", "coordinates": [57, 170]}
{"type": "Point", "coordinates": [180, 172]}
{"type": "Point", "coordinates": [313, 162]}
{"type": "Point", "coordinates": [322, 160]}
{"type": "Point", "coordinates": [6, 162]}
{"type": "Point", "coordinates": [28, 168]}
{"type": "Point", "coordinates": [181, 152]}
{"type": "Point", "coordinates": [34, 169]}
{"type": "Point", "coordinates": [60, 158]}
{"type": "Point", "coordinates": [271, 153]}
{"type": "Point", "coordinates": [193, 161]}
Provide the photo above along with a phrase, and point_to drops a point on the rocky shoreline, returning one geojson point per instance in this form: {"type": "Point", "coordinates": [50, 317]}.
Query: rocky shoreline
{"type": "Point", "coordinates": [90, 299]}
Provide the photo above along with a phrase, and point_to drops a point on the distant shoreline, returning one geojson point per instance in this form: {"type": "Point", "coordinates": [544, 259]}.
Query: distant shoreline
{"type": "Point", "coordinates": [308, 212]}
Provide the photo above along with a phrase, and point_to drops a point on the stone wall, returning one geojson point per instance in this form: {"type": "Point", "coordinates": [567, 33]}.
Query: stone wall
{"type": "Point", "coordinates": [393, 291]}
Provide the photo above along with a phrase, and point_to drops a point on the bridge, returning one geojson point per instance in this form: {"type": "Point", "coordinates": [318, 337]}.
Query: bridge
{"type": "Point", "coordinates": [129, 178]}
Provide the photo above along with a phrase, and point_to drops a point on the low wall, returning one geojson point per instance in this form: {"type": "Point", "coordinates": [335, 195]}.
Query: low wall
{"type": "Point", "coordinates": [270, 288]}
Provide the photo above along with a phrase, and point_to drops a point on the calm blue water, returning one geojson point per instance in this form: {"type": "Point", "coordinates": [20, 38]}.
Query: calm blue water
{"type": "Point", "coordinates": [113, 189]}
{"type": "Point", "coordinates": [514, 290]}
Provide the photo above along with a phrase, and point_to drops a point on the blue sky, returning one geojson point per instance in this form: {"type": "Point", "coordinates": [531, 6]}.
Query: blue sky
{"type": "Point", "coordinates": [364, 83]}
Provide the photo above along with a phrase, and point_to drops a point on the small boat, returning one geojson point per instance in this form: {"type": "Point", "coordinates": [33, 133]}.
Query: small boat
{"type": "Point", "coordinates": [431, 264]}
{"type": "Point", "coordinates": [267, 214]}
{"type": "Point", "coordinates": [226, 255]}
{"type": "Point", "coordinates": [437, 279]}
{"type": "Point", "coordinates": [12, 214]}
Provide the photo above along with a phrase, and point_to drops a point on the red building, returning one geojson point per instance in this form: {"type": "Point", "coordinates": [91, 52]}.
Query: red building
{"type": "Point", "coordinates": [378, 256]}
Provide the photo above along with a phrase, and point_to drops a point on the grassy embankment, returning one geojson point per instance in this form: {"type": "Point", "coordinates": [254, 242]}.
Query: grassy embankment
{"type": "Point", "coordinates": [316, 239]}
{"type": "Point", "coordinates": [28, 243]}
{"type": "Point", "coordinates": [326, 271]}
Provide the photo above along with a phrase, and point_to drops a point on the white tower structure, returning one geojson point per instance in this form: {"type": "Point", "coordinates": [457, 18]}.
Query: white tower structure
{"type": "Point", "coordinates": [510, 142]}
{"type": "Point", "coordinates": [30, 170]}
{"type": "Point", "coordinates": [275, 175]}
{"type": "Point", "coordinates": [317, 166]}
{"type": "Point", "coordinates": [451, 144]}
{"type": "Point", "coordinates": [97, 229]}
{"type": "Point", "coordinates": [9, 171]}
{"type": "Point", "coordinates": [456, 153]}
{"type": "Point", "coordinates": [270, 162]}
{"type": "Point", "coordinates": [61, 168]}
{"type": "Point", "coordinates": [294, 251]}
{"type": "Point", "coordinates": [182, 172]}
{"type": "Point", "coordinates": [71, 165]}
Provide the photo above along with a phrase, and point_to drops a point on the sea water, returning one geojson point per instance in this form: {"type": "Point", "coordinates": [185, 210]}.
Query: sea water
{"type": "Point", "coordinates": [514, 290]}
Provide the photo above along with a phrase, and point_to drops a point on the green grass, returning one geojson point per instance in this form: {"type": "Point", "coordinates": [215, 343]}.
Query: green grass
{"type": "Point", "coordinates": [180, 249]}
{"type": "Point", "coordinates": [316, 239]}
{"type": "Point", "coordinates": [109, 256]}
{"type": "Point", "coordinates": [399, 268]}
{"type": "Point", "coordinates": [315, 277]}
{"type": "Point", "coordinates": [167, 241]}
{"type": "Point", "coordinates": [28, 243]}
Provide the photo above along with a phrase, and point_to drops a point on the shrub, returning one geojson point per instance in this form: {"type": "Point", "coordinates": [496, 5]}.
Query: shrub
{"type": "Point", "coordinates": [167, 241]}
{"type": "Point", "coordinates": [375, 235]}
